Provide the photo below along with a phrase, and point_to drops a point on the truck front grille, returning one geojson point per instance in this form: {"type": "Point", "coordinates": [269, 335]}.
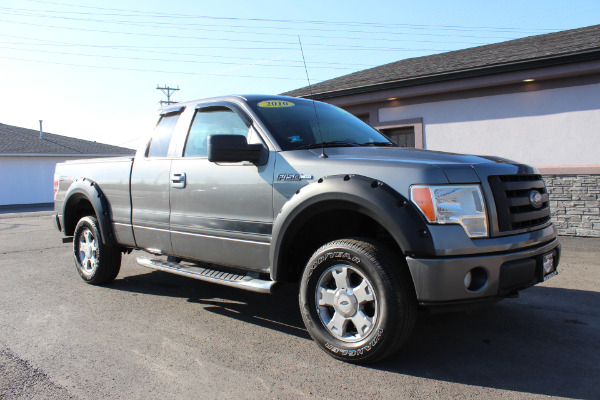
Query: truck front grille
{"type": "Point", "coordinates": [512, 195]}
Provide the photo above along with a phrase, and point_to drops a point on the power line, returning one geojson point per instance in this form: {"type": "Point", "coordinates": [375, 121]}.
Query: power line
{"type": "Point", "coordinates": [131, 140]}
{"type": "Point", "coordinates": [274, 28]}
{"type": "Point", "coordinates": [146, 49]}
{"type": "Point", "coordinates": [318, 22]}
{"type": "Point", "coordinates": [219, 29]}
{"type": "Point", "coordinates": [170, 60]}
{"type": "Point", "coordinates": [314, 45]}
{"type": "Point", "coordinates": [152, 70]}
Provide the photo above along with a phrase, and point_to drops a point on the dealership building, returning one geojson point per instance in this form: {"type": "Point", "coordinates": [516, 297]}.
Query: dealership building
{"type": "Point", "coordinates": [535, 100]}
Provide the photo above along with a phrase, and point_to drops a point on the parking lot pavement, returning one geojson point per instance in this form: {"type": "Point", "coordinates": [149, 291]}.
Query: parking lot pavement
{"type": "Point", "coordinates": [151, 335]}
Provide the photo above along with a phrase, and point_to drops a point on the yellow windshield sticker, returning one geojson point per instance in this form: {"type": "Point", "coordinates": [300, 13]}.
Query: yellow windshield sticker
{"type": "Point", "coordinates": [275, 104]}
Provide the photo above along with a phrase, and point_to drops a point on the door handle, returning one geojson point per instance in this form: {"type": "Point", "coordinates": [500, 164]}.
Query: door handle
{"type": "Point", "coordinates": [178, 180]}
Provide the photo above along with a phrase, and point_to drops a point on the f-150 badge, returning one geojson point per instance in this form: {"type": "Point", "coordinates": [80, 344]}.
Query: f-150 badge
{"type": "Point", "coordinates": [293, 177]}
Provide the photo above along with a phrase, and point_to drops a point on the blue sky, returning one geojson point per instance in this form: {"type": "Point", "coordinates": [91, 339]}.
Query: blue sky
{"type": "Point", "coordinates": [90, 69]}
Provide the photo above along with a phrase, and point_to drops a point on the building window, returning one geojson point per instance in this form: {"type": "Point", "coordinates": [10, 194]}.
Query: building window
{"type": "Point", "coordinates": [403, 137]}
{"type": "Point", "coordinates": [405, 133]}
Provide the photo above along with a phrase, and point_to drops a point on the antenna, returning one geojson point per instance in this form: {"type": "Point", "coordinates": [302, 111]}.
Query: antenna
{"type": "Point", "coordinates": [323, 155]}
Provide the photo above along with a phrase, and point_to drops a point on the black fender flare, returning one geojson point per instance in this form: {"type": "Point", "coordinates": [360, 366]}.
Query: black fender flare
{"type": "Point", "coordinates": [368, 196]}
{"type": "Point", "coordinates": [88, 189]}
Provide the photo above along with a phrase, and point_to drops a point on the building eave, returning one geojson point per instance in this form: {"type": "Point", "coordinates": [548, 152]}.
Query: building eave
{"type": "Point", "coordinates": [462, 74]}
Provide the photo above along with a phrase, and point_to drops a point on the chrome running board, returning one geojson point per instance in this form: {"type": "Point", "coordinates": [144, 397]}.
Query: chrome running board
{"type": "Point", "coordinates": [210, 275]}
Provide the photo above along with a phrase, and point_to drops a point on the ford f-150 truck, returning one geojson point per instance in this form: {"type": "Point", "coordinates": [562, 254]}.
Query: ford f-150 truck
{"type": "Point", "coordinates": [250, 191]}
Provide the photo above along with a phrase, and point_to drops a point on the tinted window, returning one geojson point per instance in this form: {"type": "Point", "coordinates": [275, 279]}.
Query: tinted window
{"type": "Point", "coordinates": [403, 136]}
{"type": "Point", "coordinates": [212, 121]}
{"type": "Point", "coordinates": [294, 124]}
{"type": "Point", "coordinates": [159, 144]}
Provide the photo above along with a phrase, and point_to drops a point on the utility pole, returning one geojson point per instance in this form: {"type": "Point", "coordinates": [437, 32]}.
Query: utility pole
{"type": "Point", "coordinates": [167, 92]}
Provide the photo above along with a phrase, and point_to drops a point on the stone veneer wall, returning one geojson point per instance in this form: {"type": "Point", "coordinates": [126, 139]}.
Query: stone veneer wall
{"type": "Point", "coordinates": [575, 204]}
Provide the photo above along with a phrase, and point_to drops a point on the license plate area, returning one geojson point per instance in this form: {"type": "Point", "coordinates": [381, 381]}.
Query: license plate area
{"type": "Point", "coordinates": [548, 266]}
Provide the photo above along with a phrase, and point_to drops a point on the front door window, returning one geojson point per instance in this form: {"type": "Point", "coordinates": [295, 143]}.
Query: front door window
{"type": "Point", "coordinates": [212, 121]}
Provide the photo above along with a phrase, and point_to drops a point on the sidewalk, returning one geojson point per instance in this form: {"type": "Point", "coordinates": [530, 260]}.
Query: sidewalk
{"type": "Point", "coordinates": [16, 210]}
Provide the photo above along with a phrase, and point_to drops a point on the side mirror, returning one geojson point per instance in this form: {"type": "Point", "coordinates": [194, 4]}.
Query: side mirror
{"type": "Point", "coordinates": [233, 148]}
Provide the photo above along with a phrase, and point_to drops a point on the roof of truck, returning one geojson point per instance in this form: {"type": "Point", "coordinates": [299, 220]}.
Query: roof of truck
{"type": "Point", "coordinates": [243, 97]}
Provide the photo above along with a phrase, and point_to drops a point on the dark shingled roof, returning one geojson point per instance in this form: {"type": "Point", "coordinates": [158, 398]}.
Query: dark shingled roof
{"type": "Point", "coordinates": [15, 140]}
{"type": "Point", "coordinates": [530, 52]}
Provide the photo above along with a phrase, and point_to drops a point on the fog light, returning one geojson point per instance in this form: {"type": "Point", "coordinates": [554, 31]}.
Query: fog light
{"type": "Point", "coordinates": [476, 279]}
{"type": "Point", "coordinates": [468, 279]}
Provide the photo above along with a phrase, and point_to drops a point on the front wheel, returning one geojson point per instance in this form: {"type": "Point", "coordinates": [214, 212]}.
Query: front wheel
{"type": "Point", "coordinates": [357, 300]}
{"type": "Point", "coordinates": [96, 262]}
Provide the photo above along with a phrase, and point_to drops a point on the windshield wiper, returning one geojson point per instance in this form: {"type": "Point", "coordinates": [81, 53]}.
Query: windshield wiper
{"type": "Point", "coordinates": [379, 144]}
{"type": "Point", "coordinates": [334, 143]}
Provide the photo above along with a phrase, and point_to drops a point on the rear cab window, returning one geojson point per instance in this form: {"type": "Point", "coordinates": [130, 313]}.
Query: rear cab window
{"type": "Point", "coordinates": [161, 139]}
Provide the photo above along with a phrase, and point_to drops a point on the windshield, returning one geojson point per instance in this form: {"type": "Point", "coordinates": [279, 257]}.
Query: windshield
{"type": "Point", "coordinates": [294, 125]}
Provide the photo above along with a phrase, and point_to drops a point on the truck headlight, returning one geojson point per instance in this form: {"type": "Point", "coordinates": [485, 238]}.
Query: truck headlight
{"type": "Point", "coordinates": [453, 204]}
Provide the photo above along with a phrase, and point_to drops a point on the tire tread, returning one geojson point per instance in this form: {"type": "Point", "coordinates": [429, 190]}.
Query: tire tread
{"type": "Point", "coordinates": [385, 261]}
{"type": "Point", "coordinates": [110, 256]}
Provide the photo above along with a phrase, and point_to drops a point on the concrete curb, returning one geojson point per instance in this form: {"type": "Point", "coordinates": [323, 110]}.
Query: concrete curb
{"type": "Point", "coordinates": [29, 210]}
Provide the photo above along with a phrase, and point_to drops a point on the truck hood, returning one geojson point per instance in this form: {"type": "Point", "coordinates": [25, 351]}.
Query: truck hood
{"type": "Point", "coordinates": [396, 154]}
{"type": "Point", "coordinates": [458, 168]}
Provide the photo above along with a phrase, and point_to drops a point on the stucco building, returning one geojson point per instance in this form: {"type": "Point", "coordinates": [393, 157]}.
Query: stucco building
{"type": "Point", "coordinates": [535, 100]}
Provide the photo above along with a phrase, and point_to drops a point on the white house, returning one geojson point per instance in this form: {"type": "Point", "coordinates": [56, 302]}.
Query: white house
{"type": "Point", "coordinates": [27, 160]}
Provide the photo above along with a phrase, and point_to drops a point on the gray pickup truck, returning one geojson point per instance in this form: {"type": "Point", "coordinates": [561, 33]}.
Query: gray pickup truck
{"type": "Point", "coordinates": [251, 191]}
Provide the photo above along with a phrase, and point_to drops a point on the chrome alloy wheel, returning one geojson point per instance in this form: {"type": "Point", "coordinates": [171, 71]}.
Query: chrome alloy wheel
{"type": "Point", "coordinates": [346, 303]}
{"type": "Point", "coordinates": [87, 252]}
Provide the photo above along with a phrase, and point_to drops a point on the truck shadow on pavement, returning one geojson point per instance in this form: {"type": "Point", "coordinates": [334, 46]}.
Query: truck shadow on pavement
{"type": "Point", "coordinates": [547, 342]}
{"type": "Point", "coordinates": [278, 311]}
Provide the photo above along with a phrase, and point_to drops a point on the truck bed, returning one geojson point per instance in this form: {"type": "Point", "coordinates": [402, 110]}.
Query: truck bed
{"type": "Point", "coordinates": [113, 176]}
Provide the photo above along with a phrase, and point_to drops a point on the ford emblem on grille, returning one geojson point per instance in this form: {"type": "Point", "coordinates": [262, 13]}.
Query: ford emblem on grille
{"type": "Point", "coordinates": [535, 199]}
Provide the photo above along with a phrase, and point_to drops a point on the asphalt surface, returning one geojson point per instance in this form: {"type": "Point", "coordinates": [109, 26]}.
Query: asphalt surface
{"type": "Point", "coordinates": [151, 335]}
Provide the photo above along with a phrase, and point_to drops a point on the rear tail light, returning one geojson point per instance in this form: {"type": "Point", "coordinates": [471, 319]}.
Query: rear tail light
{"type": "Point", "coordinates": [56, 179]}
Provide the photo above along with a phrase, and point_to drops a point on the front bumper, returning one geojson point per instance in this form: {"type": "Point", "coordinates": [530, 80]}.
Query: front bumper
{"type": "Point", "coordinates": [441, 281]}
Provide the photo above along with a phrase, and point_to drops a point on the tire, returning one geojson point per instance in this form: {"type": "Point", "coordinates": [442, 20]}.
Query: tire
{"type": "Point", "coordinates": [96, 262]}
{"type": "Point", "coordinates": [357, 300]}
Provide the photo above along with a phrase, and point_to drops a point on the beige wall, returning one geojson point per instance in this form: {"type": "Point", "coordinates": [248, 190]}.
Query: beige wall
{"type": "Point", "coordinates": [552, 127]}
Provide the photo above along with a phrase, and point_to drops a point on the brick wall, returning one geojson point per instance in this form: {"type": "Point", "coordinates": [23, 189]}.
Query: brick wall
{"type": "Point", "coordinates": [575, 204]}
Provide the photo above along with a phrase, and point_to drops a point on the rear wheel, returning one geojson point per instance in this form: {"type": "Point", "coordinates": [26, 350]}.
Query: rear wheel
{"type": "Point", "coordinates": [96, 262]}
{"type": "Point", "coordinates": [357, 300]}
